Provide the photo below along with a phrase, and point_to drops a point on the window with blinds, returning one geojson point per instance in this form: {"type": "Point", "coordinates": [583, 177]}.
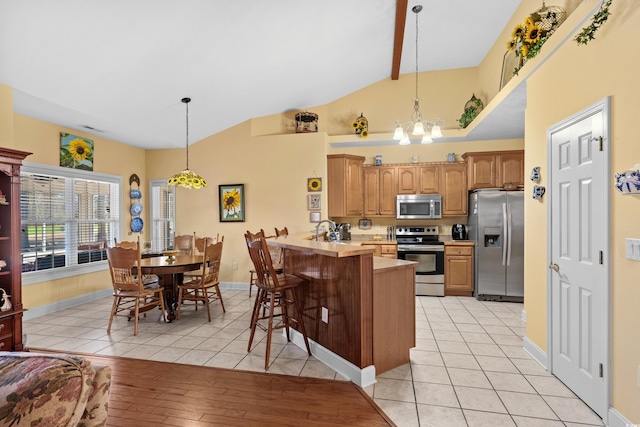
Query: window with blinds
{"type": "Point", "coordinates": [68, 217]}
{"type": "Point", "coordinates": [163, 215]}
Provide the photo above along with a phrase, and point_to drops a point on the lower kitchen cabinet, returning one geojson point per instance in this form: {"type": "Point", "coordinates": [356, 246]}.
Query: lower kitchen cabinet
{"type": "Point", "coordinates": [384, 250]}
{"type": "Point", "coordinates": [458, 269]}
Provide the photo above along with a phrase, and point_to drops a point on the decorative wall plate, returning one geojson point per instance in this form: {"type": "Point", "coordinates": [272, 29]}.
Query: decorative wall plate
{"type": "Point", "coordinates": [136, 225]}
{"type": "Point", "coordinates": [135, 194]}
{"type": "Point", "coordinates": [136, 209]}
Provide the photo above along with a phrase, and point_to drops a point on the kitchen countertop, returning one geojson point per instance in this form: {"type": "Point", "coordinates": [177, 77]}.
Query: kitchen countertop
{"type": "Point", "coordinates": [380, 264]}
{"type": "Point", "coordinates": [460, 243]}
{"type": "Point", "coordinates": [331, 249]}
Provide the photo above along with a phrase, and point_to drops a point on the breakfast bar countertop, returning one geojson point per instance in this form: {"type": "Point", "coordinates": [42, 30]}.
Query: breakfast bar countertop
{"type": "Point", "coordinates": [302, 242]}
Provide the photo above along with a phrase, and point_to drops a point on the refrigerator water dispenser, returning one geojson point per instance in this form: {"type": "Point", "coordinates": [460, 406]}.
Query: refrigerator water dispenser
{"type": "Point", "coordinates": [492, 238]}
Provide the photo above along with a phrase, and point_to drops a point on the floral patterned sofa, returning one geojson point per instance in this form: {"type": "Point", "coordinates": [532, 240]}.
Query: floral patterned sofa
{"type": "Point", "coordinates": [52, 390]}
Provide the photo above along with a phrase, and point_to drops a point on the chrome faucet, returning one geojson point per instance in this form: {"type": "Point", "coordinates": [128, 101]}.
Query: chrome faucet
{"type": "Point", "coordinates": [332, 229]}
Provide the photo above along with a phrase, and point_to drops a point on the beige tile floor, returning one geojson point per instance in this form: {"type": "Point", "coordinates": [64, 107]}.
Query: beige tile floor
{"type": "Point", "coordinates": [468, 367]}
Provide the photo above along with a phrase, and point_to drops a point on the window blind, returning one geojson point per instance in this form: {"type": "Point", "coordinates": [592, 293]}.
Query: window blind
{"type": "Point", "coordinates": [67, 218]}
{"type": "Point", "coordinates": [163, 215]}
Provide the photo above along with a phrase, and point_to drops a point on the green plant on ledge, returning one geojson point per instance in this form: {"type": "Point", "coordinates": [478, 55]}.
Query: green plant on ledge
{"type": "Point", "coordinates": [470, 113]}
{"type": "Point", "coordinates": [588, 33]}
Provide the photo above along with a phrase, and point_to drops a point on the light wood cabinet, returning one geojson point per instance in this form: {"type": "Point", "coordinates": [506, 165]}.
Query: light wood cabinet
{"type": "Point", "coordinates": [458, 270]}
{"type": "Point", "coordinates": [407, 179]}
{"type": "Point", "coordinates": [10, 251]}
{"type": "Point", "coordinates": [511, 168]}
{"type": "Point", "coordinates": [379, 191]}
{"type": "Point", "coordinates": [453, 188]}
{"type": "Point", "coordinates": [384, 250]}
{"type": "Point", "coordinates": [344, 185]}
{"type": "Point", "coordinates": [494, 169]}
{"type": "Point", "coordinates": [423, 179]}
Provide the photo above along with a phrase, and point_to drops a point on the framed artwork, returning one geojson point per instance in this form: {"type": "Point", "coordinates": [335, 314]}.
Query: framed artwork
{"type": "Point", "coordinates": [314, 216]}
{"type": "Point", "coordinates": [314, 184]}
{"type": "Point", "coordinates": [314, 202]}
{"type": "Point", "coordinates": [364, 224]}
{"type": "Point", "coordinates": [76, 152]}
{"type": "Point", "coordinates": [231, 202]}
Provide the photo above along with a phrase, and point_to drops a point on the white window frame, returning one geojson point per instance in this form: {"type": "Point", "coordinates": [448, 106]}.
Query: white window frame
{"type": "Point", "coordinates": [154, 214]}
{"type": "Point", "coordinates": [32, 277]}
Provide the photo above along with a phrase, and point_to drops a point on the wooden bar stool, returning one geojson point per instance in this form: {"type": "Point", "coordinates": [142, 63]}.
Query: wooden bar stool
{"type": "Point", "coordinates": [275, 291]}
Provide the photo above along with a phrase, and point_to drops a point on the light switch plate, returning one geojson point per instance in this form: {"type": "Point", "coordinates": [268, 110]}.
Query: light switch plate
{"type": "Point", "coordinates": [325, 314]}
{"type": "Point", "coordinates": [632, 249]}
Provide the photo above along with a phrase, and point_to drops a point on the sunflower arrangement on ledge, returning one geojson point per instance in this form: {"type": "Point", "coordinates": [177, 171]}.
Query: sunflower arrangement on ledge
{"type": "Point", "coordinates": [527, 38]}
{"type": "Point", "coordinates": [361, 126]}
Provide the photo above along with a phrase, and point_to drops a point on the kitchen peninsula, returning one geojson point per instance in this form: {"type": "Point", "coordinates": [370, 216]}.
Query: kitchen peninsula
{"type": "Point", "coordinates": [358, 310]}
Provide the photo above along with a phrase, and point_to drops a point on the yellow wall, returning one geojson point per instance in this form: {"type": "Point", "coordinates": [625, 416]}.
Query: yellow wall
{"type": "Point", "coordinates": [573, 79]}
{"type": "Point", "coordinates": [274, 171]}
{"type": "Point", "coordinates": [6, 116]}
{"type": "Point", "coordinates": [43, 140]}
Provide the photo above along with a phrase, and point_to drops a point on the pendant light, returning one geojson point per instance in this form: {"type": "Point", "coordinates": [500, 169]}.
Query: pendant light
{"type": "Point", "coordinates": [427, 129]}
{"type": "Point", "coordinates": [187, 178]}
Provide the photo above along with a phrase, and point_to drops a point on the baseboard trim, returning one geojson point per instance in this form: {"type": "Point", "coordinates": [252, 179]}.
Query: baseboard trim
{"type": "Point", "coordinates": [43, 310]}
{"type": "Point", "coordinates": [535, 352]}
{"type": "Point", "coordinates": [362, 377]}
{"type": "Point", "coordinates": [616, 419]}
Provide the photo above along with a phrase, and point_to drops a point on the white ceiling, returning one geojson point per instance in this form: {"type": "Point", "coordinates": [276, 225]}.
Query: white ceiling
{"type": "Point", "coordinates": [122, 66]}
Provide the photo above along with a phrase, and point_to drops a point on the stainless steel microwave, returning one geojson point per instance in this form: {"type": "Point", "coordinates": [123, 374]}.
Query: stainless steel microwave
{"type": "Point", "coordinates": [418, 206]}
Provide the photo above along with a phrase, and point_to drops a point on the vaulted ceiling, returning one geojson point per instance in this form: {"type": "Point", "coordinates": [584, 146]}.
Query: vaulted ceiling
{"type": "Point", "coordinates": [121, 67]}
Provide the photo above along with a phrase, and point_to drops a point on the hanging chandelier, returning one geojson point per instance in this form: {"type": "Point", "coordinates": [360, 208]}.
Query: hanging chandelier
{"type": "Point", "coordinates": [186, 177]}
{"type": "Point", "coordinates": [427, 129]}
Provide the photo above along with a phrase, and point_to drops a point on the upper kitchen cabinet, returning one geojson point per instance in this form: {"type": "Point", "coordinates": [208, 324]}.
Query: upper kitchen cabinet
{"type": "Point", "coordinates": [379, 191]}
{"type": "Point", "coordinates": [453, 188]}
{"type": "Point", "coordinates": [423, 179]}
{"type": "Point", "coordinates": [494, 169]}
{"type": "Point", "coordinates": [344, 185]}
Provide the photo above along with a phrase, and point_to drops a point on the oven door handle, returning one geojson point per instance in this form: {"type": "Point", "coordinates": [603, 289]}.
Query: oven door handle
{"type": "Point", "coordinates": [420, 248]}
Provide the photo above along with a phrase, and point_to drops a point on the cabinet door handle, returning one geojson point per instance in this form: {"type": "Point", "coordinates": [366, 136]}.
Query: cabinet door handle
{"type": "Point", "coordinates": [1, 344]}
{"type": "Point", "coordinates": [2, 327]}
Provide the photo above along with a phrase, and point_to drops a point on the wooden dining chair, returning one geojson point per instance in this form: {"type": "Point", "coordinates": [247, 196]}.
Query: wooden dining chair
{"type": "Point", "coordinates": [147, 279]}
{"type": "Point", "coordinates": [130, 295]}
{"type": "Point", "coordinates": [198, 249]}
{"type": "Point", "coordinates": [283, 232]}
{"type": "Point", "coordinates": [275, 292]}
{"type": "Point", "coordinates": [205, 287]}
{"type": "Point", "coordinates": [184, 243]}
{"type": "Point", "coordinates": [252, 272]}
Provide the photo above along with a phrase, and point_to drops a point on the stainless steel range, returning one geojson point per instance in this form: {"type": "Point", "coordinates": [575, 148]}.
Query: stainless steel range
{"type": "Point", "coordinates": [421, 244]}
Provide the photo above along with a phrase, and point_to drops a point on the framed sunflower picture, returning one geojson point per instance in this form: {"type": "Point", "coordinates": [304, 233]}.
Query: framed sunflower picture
{"type": "Point", "coordinates": [231, 202]}
{"type": "Point", "coordinates": [314, 184]}
{"type": "Point", "coordinates": [76, 152]}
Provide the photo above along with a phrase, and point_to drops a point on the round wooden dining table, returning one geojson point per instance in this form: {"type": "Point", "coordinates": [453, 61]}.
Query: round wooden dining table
{"type": "Point", "coordinates": [170, 275]}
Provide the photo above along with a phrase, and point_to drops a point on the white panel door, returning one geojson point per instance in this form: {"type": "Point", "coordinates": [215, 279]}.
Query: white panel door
{"type": "Point", "coordinates": [579, 276]}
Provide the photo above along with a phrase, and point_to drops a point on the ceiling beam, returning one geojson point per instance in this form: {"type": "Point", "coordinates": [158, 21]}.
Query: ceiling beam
{"type": "Point", "coordinates": [401, 16]}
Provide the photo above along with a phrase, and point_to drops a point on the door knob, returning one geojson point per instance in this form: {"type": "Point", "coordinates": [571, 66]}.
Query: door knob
{"type": "Point", "coordinates": [555, 267]}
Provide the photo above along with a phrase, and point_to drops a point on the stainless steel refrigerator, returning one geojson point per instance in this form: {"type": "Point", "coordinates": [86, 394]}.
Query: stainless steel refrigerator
{"type": "Point", "coordinates": [496, 225]}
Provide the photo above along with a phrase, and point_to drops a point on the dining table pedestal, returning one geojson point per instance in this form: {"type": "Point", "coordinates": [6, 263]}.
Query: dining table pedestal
{"type": "Point", "coordinates": [170, 272]}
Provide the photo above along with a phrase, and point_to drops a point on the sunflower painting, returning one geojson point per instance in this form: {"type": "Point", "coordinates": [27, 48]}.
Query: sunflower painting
{"type": "Point", "coordinates": [76, 152]}
{"type": "Point", "coordinates": [231, 202]}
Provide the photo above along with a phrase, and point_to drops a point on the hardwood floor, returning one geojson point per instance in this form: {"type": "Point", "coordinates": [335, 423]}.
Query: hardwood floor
{"type": "Point", "coordinates": [146, 393]}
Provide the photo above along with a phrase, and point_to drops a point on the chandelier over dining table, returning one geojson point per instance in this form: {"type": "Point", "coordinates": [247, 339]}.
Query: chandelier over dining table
{"type": "Point", "coordinates": [427, 129]}
{"type": "Point", "coordinates": [186, 177]}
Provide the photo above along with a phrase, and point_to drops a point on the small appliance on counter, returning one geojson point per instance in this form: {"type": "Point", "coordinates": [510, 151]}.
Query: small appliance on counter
{"type": "Point", "coordinates": [344, 229]}
{"type": "Point", "coordinates": [459, 232]}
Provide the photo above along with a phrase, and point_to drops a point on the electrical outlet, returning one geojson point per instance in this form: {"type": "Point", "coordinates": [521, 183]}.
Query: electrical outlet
{"type": "Point", "coordinates": [325, 314]}
{"type": "Point", "coordinates": [234, 265]}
